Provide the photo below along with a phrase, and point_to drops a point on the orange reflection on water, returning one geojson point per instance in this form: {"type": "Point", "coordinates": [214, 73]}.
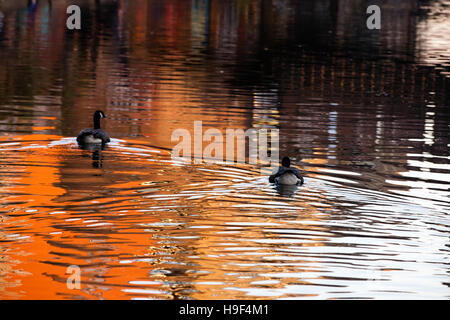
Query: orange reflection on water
{"type": "Point", "coordinates": [33, 195]}
{"type": "Point", "coordinates": [32, 190]}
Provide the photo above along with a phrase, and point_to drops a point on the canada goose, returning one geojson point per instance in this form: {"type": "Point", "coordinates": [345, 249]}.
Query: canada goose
{"type": "Point", "coordinates": [94, 136]}
{"type": "Point", "coordinates": [286, 174]}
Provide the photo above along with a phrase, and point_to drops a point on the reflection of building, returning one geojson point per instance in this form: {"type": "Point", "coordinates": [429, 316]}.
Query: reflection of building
{"type": "Point", "coordinates": [157, 66]}
{"type": "Point", "coordinates": [339, 93]}
{"type": "Point", "coordinates": [30, 188]}
{"type": "Point", "coordinates": [433, 37]}
{"type": "Point", "coordinates": [396, 37]}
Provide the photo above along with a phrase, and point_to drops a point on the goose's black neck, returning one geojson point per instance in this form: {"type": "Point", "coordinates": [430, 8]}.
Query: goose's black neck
{"type": "Point", "coordinates": [96, 121]}
{"type": "Point", "coordinates": [286, 162]}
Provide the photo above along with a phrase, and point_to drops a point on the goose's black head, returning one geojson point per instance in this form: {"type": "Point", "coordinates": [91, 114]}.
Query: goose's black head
{"type": "Point", "coordinates": [97, 116]}
{"type": "Point", "coordinates": [286, 162]}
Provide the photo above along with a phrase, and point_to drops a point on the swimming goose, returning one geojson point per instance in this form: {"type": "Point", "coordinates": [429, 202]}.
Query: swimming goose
{"type": "Point", "coordinates": [94, 136]}
{"type": "Point", "coordinates": [286, 174]}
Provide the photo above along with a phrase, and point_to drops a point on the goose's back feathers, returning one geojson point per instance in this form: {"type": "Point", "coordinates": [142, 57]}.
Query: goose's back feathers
{"type": "Point", "coordinates": [286, 176]}
{"type": "Point", "coordinates": [89, 136]}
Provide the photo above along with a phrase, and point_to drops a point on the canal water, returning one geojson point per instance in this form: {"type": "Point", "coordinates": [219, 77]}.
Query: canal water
{"type": "Point", "coordinates": [364, 114]}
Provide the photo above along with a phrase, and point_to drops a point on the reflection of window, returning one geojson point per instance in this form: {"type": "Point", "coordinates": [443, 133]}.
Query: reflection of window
{"type": "Point", "coordinates": [433, 38]}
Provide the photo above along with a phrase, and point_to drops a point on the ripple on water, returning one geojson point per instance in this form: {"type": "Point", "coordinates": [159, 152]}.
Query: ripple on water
{"type": "Point", "coordinates": [142, 226]}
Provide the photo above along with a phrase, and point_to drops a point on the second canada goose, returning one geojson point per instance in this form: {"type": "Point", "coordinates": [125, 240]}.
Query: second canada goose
{"type": "Point", "coordinates": [286, 174]}
{"type": "Point", "coordinates": [96, 135]}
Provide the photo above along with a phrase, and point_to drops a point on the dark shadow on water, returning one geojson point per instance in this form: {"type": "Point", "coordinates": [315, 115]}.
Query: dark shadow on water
{"type": "Point", "coordinates": [97, 158]}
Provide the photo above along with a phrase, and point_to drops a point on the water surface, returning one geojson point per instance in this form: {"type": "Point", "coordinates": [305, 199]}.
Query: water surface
{"type": "Point", "coordinates": [364, 114]}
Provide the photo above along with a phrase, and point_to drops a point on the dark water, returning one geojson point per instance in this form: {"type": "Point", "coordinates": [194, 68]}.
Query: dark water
{"type": "Point", "coordinates": [364, 114]}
